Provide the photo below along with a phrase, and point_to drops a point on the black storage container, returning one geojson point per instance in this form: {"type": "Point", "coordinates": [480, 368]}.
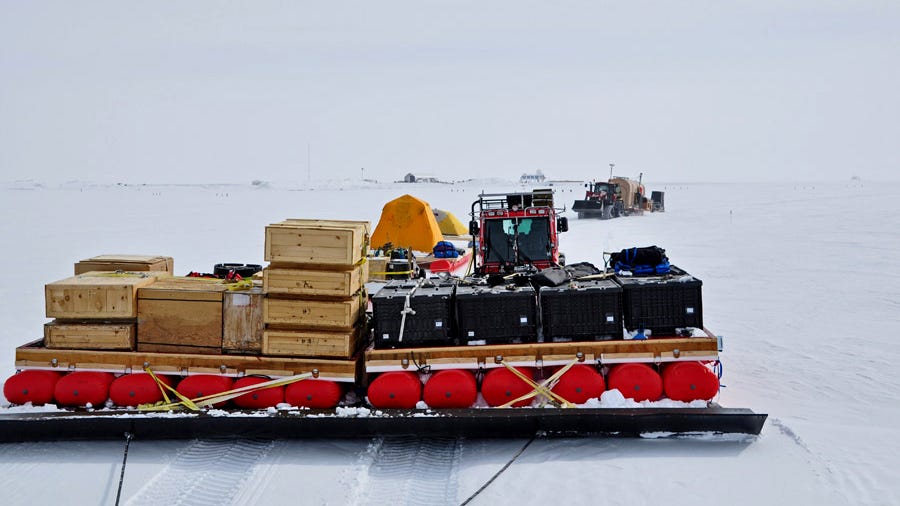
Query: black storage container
{"type": "Point", "coordinates": [498, 315]}
{"type": "Point", "coordinates": [582, 311]}
{"type": "Point", "coordinates": [429, 326]}
{"type": "Point", "coordinates": [662, 303]}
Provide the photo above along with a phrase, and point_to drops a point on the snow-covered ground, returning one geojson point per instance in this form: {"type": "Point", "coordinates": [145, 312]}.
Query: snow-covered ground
{"type": "Point", "coordinates": [802, 280]}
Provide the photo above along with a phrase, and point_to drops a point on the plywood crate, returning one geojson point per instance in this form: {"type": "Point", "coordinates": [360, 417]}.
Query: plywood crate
{"type": "Point", "coordinates": [311, 343]}
{"type": "Point", "coordinates": [126, 263]}
{"type": "Point", "coordinates": [317, 242]}
{"type": "Point", "coordinates": [243, 321]}
{"type": "Point", "coordinates": [315, 282]}
{"type": "Point", "coordinates": [89, 336]}
{"type": "Point", "coordinates": [314, 313]}
{"type": "Point", "coordinates": [97, 295]}
{"type": "Point", "coordinates": [182, 315]}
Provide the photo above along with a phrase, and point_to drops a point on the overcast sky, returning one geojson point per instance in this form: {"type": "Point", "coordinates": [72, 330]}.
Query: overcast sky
{"type": "Point", "coordinates": [236, 91]}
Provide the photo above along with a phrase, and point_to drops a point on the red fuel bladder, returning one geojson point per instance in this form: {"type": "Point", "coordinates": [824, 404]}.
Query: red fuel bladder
{"type": "Point", "coordinates": [639, 382]}
{"type": "Point", "coordinates": [451, 388]}
{"type": "Point", "coordinates": [81, 388]}
{"type": "Point", "coordinates": [501, 386]}
{"type": "Point", "coordinates": [689, 381]}
{"type": "Point", "coordinates": [313, 393]}
{"type": "Point", "coordinates": [580, 383]}
{"type": "Point", "coordinates": [258, 399]}
{"type": "Point", "coordinates": [32, 386]}
{"type": "Point", "coordinates": [395, 389]}
{"type": "Point", "coordinates": [138, 388]}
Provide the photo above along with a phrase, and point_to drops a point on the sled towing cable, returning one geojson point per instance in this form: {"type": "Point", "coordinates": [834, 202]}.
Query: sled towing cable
{"type": "Point", "coordinates": [128, 437]}
{"type": "Point", "coordinates": [502, 469]}
{"type": "Point", "coordinates": [209, 400]}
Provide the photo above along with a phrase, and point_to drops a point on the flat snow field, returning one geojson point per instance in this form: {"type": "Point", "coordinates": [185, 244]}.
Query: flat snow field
{"type": "Point", "coordinates": [802, 280]}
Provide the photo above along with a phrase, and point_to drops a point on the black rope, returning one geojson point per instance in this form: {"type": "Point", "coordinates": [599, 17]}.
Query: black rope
{"type": "Point", "coordinates": [498, 473]}
{"type": "Point", "coordinates": [128, 437]}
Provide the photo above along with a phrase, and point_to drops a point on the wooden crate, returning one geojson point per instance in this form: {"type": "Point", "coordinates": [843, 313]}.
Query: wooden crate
{"type": "Point", "coordinates": [315, 282]}
{"type": "Point", "coordinates": [96, 295]}
{"type": "Point", "coordinates": [243, 321]}
{"type": "Point", "coordinates": [311, 343]}
{"type": "Point", "coordinates": [317, 242]}
{"type": "Point", "coordinates": [131, 263]}
{"type": "Point", "coordinates": [89, 336]}
{"type": "Point", "coordinates": [311, 313]}
{"type": "Point", "coordinates": [181, 315]}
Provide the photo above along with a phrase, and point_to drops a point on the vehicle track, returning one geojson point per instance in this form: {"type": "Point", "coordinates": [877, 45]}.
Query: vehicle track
{"type": "Point", "coordinates": [407, 470]}
{"type": "Point", "coordinates": [205, 472]}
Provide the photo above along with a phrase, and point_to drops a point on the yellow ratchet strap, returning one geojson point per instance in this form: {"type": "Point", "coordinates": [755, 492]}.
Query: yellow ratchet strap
{"type": "Point", "coordinates": [209, 400]}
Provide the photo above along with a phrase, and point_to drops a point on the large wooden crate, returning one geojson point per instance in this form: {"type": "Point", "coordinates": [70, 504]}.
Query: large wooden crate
{"type": "Point", "coordinates": [126, 263]}
{"type": "Point", "coordinates": [243, 321]}
{"type": "Point", "coordinates": [317, 242]}
{"type": "Point", "coordinates": [89, 336]}
{"type": "Point", "coordinates": [181, 315]}
{"type": "Point", "coordinates": [96, 295]}
{"type": "Point", "coordinates": [312, 313]}
{"type": "Point", "coordinates": [311, 343]}
{"type": "Point", "coordinates": [308, 282]}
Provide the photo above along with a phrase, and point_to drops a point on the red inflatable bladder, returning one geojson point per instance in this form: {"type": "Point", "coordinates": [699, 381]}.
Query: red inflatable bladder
{"type": "Point", "coordinates": [502, 385]}
{"type": "Point", "coordinates": [451, 388]}
{"type": "Point", "coordinates": [32, 386]}
{"type": "Point", "coordinates": [689, 381]}
{"type": "Point", "coordinates": [580, 383]}
{"type": "Point", "coordinates": [258, 399]}
{"type": "Point", "coordinates": [81, 388]}
{"type": "Point", "coordinates": [639, 382]}
{"type": "Point", "coordinates": [201, 385]}
{"type": "Point", "coordinates": [315, 394]}
{"type": "Point", "coordinates": [395, 389]}
{"type": "Point", "coordinates": [138, 388]}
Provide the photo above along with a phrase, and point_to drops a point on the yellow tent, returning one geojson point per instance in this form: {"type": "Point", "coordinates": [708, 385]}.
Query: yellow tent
{"type": "Point", "coordinates": [449, 223]}
{"type": "Point", "coordinates": [407, 222]}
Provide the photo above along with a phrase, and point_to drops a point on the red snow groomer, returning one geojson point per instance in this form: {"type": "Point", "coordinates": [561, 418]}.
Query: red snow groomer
{"type": "Point", "coordinates": [291, 357]}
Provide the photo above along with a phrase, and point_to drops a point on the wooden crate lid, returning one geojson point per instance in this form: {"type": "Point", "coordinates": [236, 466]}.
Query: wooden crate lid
{"type": "Point", "coordinates": [184, 288]}
{"type": "Point", "coordinates": [106, 278]}
{"type": "Point", "coordinates": [138, 259]}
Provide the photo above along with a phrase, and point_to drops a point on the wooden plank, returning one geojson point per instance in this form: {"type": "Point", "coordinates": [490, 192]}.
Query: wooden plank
{"type": "Point", "coordinates": [648, 349]}
{"type": "Point", "coordinates": [184, 288]}
{"type": "Point", "coordinates": [96, 295]}
{"type": "Point", "coordinates": [126, 263]}
{"type": "Point", "coordinates": [178, 348]}
{"type": "Point", "coordinates": [315, 282]}
{"type": "Point", "coordinates": [242, 326]}
{"type": "Point", "coordinates": [90, 336]}
{"type": "Point", "coordinates": [35, 356]}
{"type": "Point", "coordinates": [311, 343]}
{"type": "Point", "coordinates": [327, 242]}
{"type": "Point", "coordinates": [309, 313]}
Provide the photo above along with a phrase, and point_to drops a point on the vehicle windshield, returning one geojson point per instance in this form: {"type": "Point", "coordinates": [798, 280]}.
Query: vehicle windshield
{"type": "Point", "coordinates": [530, 236]}
{"type": "Point", "coordinates": [600, 188]}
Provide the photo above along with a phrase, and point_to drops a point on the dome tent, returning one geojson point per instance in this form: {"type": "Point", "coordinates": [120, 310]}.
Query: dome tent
{"type": "Point", "coordinates": [407, 222]}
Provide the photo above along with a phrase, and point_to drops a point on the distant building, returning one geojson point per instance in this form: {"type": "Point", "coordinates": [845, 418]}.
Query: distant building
{"type": "Point", "coordinates": [537, 177]}
{"type": "Point", "coordinates": [420, 178]}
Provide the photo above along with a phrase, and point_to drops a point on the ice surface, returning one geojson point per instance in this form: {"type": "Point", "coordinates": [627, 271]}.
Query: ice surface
{"type": "Point", "coordinates": [802, 282]}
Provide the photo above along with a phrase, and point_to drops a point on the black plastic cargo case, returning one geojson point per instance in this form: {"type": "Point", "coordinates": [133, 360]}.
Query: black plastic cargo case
{"type": "Point", "coordinates": [430, 325]}
{"type": "Point", "coordinates": [662, 303]}
{"type": "Point", "coordinates": [496, 316]}
{"type": "Point", "coordinates": [582, 311]}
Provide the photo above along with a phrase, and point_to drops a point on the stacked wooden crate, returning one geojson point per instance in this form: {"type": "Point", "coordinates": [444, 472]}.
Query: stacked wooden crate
{"type": "Point", "coordinates": [95, 310]}
{"type": "Point", "coordinates": [199, 316]}
{"type": "Point", "coordinates": [315, 288]}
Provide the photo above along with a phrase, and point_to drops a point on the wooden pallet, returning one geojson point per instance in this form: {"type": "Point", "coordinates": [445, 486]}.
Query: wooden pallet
{"type": "Point", "coordinates": [36, 356]}
{"type": "Point", "coordinates": [544, 354]}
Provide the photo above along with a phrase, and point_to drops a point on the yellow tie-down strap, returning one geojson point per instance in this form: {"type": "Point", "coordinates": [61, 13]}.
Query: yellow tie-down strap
{"type": "Point", "coordinates": [544, 387]}
{"type": "Point", "coordinates": [209, 400]}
